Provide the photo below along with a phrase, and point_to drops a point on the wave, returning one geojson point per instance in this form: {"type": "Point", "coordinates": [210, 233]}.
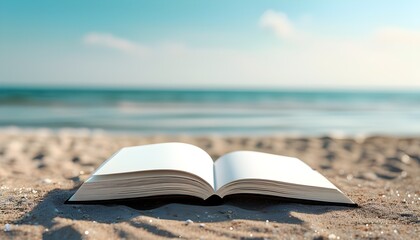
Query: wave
{"type": "Point", "coordinates": [248, 112]}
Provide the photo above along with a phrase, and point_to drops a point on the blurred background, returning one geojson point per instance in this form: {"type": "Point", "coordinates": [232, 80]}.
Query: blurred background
{"type": "Point", "coordinates": [211, 67]}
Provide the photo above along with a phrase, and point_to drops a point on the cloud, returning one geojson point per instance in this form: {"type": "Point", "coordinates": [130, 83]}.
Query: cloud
{"type": "Point", "coordinates": [279, 23]}
{"type": "Point", "coordinates": [396, 35]}
{"type": "Point", "coordinates": [110, 41]}
{"type": "Point", "coordinates": [314, 60]}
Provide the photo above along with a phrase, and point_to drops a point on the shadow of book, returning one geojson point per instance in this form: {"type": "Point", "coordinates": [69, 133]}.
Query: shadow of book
{"type": "Point", "coordinates": [246, 201]}
{"type": "Point", "coordinates": [54, 214]}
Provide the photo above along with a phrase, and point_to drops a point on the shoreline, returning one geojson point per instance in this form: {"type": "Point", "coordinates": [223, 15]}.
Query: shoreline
{"type": "Point", "coordinates": [39, 170]}
{"type": "Point", "coordinates": [100, 132]}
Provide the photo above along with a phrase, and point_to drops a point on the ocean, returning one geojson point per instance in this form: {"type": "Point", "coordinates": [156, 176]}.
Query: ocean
{"type": "Point", "coordinates": [200, 112]}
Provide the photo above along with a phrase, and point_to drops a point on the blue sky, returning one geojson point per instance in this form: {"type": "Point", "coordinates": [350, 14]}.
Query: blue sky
{"type": "Point", "coordinates": [238, 44]}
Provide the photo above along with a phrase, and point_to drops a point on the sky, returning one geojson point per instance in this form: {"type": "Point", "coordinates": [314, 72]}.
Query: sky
{"type": "Point", "coordinates": [210, 44]}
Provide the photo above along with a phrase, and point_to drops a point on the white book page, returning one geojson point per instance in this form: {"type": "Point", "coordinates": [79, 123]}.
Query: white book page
{"type": "Point", "coordinates": [255, 165]}
{"type": "Point", "coordinates": [163, 156]}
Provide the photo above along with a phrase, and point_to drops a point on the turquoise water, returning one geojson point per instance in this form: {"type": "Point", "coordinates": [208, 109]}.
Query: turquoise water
{"type": "Point", "coordinates": [208, 112]}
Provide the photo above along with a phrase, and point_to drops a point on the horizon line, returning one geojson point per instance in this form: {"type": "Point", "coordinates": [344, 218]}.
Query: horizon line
{"type": "Point", "coordinates": [210, 88]}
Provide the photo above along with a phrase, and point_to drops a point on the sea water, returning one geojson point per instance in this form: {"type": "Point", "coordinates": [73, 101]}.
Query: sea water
{"type": "Point", "coordinates": [242, 112]}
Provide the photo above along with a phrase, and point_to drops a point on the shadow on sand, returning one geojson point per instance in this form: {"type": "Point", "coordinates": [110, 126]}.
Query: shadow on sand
{"type": "Point", "coordinates": [247, 207]}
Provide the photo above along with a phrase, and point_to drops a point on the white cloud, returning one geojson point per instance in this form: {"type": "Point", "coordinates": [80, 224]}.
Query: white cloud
{"type": "Point", "coordinates": [279, 23]}
{"type": "Point", "coordinates": [111, 41]}
{"type": "Point", "coordinates": [316, 60]}
{"type": "Point", "coordinates": [396, 35]}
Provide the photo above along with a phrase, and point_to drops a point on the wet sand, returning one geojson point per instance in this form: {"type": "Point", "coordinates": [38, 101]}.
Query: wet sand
{"type": "Point", "coordinates": [39, 170]}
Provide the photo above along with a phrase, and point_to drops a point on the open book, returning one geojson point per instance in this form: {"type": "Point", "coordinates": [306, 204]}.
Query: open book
{"type": "Point", "coordinates": [184, 169]}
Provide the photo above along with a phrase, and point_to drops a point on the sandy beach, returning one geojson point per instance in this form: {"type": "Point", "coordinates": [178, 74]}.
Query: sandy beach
{"type": "Point", "coordinates": [39, 170]}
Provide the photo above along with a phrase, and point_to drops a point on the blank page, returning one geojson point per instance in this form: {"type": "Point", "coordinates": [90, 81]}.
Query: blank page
{"type": "Point", "coordinates": [163, 156]}
{"type": "Point", "coordinates": [255, 165]}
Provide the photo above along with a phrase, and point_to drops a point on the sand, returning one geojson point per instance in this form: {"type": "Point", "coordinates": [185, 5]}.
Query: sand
{"type": "Point", "coordinates": [39, 170]}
